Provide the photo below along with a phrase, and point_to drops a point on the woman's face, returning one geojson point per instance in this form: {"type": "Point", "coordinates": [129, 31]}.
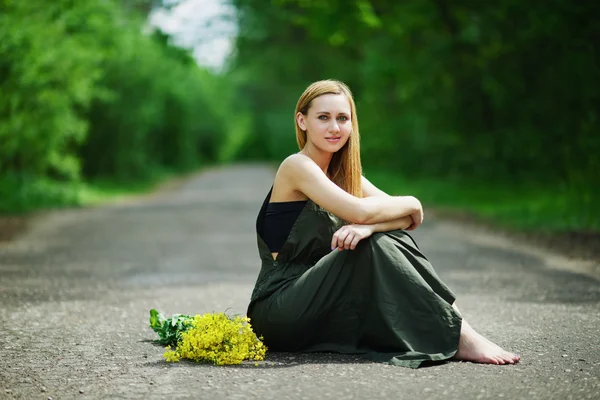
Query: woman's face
{"type": "Point", "coordinates": [328, 122]}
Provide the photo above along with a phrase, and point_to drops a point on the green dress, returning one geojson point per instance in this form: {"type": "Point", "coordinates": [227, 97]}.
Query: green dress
{"type": "Point", "coordinates": [382, 300]}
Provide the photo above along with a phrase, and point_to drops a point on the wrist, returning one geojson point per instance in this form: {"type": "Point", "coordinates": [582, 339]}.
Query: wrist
{"type": "Point", "coordinates": [371, 228]}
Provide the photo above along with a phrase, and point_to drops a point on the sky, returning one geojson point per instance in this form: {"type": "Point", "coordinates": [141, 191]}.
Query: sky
{"type": "Point", "coordinates": [206, 26]}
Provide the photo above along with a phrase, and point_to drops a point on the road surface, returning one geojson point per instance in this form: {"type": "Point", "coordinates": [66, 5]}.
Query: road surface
{"type": "Point", "coordinates": [76, 288]}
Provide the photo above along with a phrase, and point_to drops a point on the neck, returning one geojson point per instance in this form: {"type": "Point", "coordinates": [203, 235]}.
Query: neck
{"type": "Point", "coordinates": [320, 157]}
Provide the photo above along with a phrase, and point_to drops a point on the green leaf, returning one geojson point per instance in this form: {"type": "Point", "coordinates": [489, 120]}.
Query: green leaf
{"type": "Point", "coordinates": [156, 319]}
{"type": "Point", "coordinates": [169, 329]}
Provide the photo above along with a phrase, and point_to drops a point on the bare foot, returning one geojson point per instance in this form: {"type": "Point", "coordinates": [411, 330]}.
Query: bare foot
{"type": "Point", "coordinates": [474, 347]}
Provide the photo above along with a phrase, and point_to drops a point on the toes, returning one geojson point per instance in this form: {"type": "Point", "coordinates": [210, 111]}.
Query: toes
{"type": "Point", "coordinates": [492, 360]}
{"type": "Point", "coordinates": [511, 358]}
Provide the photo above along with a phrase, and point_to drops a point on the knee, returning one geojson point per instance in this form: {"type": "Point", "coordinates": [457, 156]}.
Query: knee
{"type": "Point", "coordinates": [378, 239]}
{"type": "Point", "coordinates": [366, 248]}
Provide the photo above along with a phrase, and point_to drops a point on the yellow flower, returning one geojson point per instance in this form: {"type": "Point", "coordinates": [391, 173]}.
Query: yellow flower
{"type": "Point", "coordinates": [170, 355]}
{"type": "Point", "coordinates": [219, 339]}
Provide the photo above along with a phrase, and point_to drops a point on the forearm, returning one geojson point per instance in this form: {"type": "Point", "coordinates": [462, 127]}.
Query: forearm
{"type": "Point", "coordinates": [386, 209]}
{"type": "Point", "coordinates": [399, 223]}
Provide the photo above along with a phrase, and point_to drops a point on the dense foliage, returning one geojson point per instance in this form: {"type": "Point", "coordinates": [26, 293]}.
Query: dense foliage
{"type": "Point", "coordinates": [502, 91]}
{"type": "Point", "coordinates": [88, 90]}
{"type": "Point", "coordinates": [468, 93]}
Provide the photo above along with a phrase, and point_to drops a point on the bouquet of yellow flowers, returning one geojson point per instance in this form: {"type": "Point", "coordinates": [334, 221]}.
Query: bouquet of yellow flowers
{"type": "Point", "coordinates": [216, 338]}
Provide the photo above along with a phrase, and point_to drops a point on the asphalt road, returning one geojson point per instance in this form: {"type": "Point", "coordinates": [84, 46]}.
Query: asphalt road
{"type": "Point", "coordinates": [75, 291]}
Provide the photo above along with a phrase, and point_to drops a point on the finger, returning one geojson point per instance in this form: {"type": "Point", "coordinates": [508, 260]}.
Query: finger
{"type": "Point", "coordinates": [419, 220]}
{"type": "Point", "coordinates": [348, 241]}
{"type": "Point", "coordinates": [334, 239]}
{"type": "Point", "coordinates": [336, 236]}
{"type": "Point", "coordinates": [341, 239]}
{"type": "Point", "coordinates": [354, 242]}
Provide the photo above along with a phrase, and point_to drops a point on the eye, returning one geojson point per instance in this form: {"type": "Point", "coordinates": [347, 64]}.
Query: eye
{"type": "Point", "coordinates": [322, 117]}
{"type": "Point", "coordinates": [343, 118]}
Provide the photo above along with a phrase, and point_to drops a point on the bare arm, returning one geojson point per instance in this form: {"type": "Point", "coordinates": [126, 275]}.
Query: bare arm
{"type": "Point", "coordinates": [306, 177]}
{"type": "Point", "coordinates": [400, 223]}
{"type": "Point", "coordinates": [370, 190]}
{"type": "Point", "coordinates": [348, 236]}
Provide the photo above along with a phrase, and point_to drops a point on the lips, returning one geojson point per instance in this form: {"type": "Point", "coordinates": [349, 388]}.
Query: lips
{"type": "Point", "coordinates": [333, 139]}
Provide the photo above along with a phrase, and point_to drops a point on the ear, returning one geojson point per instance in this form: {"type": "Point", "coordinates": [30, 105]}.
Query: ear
{"type": "Point", "coordinates": [300, 118]}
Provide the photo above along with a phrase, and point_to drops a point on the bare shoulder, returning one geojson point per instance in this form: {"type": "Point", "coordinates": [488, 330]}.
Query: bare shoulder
{"type": "Point", "coordinates": [301, 176]}
{"type": "Point", "coordinates": [295, 162]}
{"type": "Point", "coordinates": [290, 170]}
{"type": "Point", "coordinates": [299, 167]}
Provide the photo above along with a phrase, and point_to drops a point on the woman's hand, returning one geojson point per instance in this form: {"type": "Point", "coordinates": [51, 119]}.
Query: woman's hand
{"type": "Point", "coordinates": [417, 216]}
{"type": "Point", "coordinates": [348, 236]}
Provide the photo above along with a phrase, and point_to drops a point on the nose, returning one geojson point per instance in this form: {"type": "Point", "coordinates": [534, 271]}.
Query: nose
{"type": "Point", "coordinates": [334, 127]}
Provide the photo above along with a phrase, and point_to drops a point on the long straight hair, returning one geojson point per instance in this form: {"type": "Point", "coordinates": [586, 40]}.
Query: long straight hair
{"type": "Point", "coordinates": [345, 169]}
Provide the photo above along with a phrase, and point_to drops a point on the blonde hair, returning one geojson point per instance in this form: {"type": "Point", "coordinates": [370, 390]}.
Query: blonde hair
{"type": "Point", "coordinates": [345, 168]}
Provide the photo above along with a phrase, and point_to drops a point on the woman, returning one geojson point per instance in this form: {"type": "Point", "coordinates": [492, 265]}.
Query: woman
{"type": "Point", "coordinates": [339, 272]}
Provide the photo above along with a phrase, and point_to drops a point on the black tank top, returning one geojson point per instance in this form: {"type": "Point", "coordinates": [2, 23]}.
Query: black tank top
{"type": "Point", "coordinates": [279, 220]}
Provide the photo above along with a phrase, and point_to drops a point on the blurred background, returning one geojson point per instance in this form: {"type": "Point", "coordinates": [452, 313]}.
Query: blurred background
{"type": "Point", "coordinates": [487, 107]}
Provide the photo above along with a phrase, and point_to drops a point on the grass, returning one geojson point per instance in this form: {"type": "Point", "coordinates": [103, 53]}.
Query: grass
{"type": "Point", "coordinates": [532, 207]}
{"type": "Point", "coordinates": [21, 195]}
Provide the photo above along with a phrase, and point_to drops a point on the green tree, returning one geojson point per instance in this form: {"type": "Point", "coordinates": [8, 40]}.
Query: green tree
{"type": "Point", "coordinates": [504, 90]}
